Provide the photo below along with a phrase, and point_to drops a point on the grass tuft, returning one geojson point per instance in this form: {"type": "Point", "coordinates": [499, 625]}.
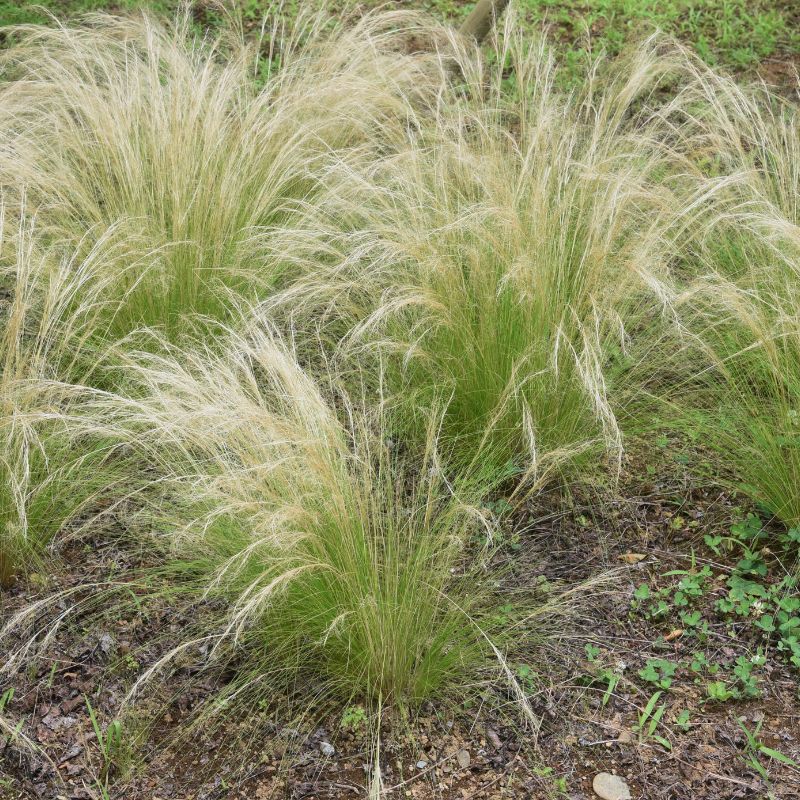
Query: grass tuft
{"type": "Point", "coordinates": [739, 347]}
{"type": "Point", "coordinates": [328, 550]}
{"type": "Point", "coordinates": [496, 265]}
{"type": "Point", "coordinates": [190, 150]}
{"type": "Point", "coordinates": [49, 310]}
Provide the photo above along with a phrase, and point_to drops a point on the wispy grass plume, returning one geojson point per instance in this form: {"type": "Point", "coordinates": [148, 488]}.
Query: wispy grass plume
{"type": "Point", "coordinates": [497, 263]}
{"type": "Point", "coordinates": [194, 148]}
{"type": "Point", "coordinates": [740, 306]}
{"type": "Point", "coordinates": [48, 311]}
{"type": "Point", "coordinates": [329, 552]}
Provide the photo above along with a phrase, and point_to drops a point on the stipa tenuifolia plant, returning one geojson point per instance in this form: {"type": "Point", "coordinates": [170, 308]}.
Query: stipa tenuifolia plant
{"type": "Point", "coordinates": [194, 148]}
{"type": "Point", "coordinates": [327, 553]}
{"type": "Point", "coordinates": [496, 264]}
{"type": "Point", "coordinates": [48, 312]}
{"type": "Point", "coordinates": [729, 128]}
{"type": "Point", "coordinates": [742, 396]}
{"type": "Point", "coordinates": [740, 326]}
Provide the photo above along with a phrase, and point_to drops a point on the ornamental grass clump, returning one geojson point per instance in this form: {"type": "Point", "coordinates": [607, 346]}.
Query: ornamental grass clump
{"type": "Point", "coordinates": [314, 549]}
{"type": "Point", "coordinates": [739, 315]}
{"type": "Point", "coordinates": [743, 395]}
{"type": "Point", "coordinates": [497, 264]}
{"type": "Point", "coordinates": [195, 148]}
{"type": "Point", "coordinates": [48, 312]}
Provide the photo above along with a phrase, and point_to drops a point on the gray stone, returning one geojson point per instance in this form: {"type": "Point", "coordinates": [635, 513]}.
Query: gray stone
{"type": "Point", "coordinates": [610, 787]}
{"type": "Point", "coordinates": [327, 749]}
{"type": "Point", "coordinates": [462, 756]}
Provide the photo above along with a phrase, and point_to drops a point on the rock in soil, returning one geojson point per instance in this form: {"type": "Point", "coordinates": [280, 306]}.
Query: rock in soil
{"type": "Point", "coordinates": [610, 787]}
{"type": "Point", "coordinates": [327, 749]}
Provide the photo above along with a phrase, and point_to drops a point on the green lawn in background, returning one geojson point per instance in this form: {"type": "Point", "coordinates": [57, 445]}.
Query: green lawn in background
{"type": "Point", "coordinates": [736, 34]}
{"type": "Point", "coordinates": [22, 12]}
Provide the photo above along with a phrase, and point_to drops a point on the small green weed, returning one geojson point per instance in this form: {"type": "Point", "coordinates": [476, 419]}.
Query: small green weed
{"type": "Point", "coordinates": [599, 674]}
{"type": "Point", "coordinates": [528, 677]}
{"type": "Point", "coordinates": [755, 749]}
{"type": "Point", "coordinates": [354, 719]}
{"type": "Point", "coordinates": [718, 692]}
{"type": "Point", "coordinates": [773, 606]}
{"type": "Point", "coordinates": [9, 732]}
{"type": "Point", "coordinates": [659, 672]}
{"type": "Point", "coordinates": [110, 743]}
{"type": "Point", "coordinates": [683, 720]}
{"type": "Point", "coordinates": [742, 684]}
{"type": "Point", "coordinates": [648, 721]}
{"type": "Point", "coordinates": [676, 601]}
{"type": "Point", "coordinates": [558, 785]}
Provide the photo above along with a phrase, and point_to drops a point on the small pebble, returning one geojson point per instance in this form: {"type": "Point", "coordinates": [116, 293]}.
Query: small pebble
{"type": "Point", "coordinates": [327, 749]}
{"type": "Point", "coordinates": [610, 787]}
